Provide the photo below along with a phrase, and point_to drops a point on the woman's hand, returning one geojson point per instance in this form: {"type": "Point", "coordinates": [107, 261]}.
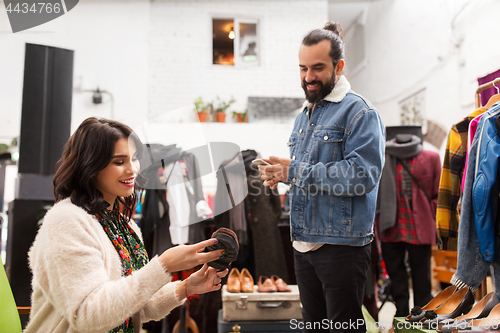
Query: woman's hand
{"type": "Point", "coordinates": [205, 280]}
{"type": "Point", "coordinates": [184, 257]}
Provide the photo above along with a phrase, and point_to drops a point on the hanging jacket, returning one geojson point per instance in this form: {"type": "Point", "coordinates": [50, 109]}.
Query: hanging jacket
{"type": "Point", "coordinates": [427, 170]}
{"type": "Point", "coordinates": [448, 210]}
{"type": "Point", "coordinates": [485, 188]}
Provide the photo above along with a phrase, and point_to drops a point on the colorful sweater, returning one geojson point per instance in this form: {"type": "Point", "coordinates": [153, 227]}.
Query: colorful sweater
{"type": "Point", "coordinates": [448, 210]}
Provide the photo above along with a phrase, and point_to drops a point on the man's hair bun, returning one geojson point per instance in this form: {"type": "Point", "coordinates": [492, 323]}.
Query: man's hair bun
{"type": "Point", "coordinates": [331, 32]}
{"type": "Point", "coordinates": [335, 28]}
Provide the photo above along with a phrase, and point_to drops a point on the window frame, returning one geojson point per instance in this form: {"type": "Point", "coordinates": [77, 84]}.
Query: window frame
{"type": "Point", "coordinates": [237, 20]}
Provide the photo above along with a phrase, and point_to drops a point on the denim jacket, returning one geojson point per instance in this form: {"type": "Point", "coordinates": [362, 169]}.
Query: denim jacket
{"type": "Point", "coordinates": [337, 158]}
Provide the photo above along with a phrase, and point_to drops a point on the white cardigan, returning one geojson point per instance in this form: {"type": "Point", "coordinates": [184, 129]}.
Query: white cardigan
{"type": "Point", "coordinates": [77, 282]}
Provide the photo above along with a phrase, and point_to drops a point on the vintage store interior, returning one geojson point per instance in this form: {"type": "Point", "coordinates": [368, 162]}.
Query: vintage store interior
{"type": "Point", "coordinates": [210, 85]}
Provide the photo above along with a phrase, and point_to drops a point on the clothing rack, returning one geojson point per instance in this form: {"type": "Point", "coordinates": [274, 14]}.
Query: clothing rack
{"type": "Point", "coordinates": [495, 82]}
{"type": "Point", "coordinates": [446, 261]}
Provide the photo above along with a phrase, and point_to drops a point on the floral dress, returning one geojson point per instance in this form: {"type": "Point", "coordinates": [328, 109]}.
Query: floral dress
{"type": "Point", "coordinates": [130, 248]}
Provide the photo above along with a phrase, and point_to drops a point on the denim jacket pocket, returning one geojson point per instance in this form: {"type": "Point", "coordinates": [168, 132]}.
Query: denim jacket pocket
{"type": "Point", "coordinates": [327, 145]}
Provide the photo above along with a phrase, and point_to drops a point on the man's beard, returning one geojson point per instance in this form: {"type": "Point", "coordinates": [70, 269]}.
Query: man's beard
{"type": "Point", "coordinates": [325, 89]}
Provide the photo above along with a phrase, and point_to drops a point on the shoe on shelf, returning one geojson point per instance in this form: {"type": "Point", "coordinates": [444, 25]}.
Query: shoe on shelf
{"type": "Point", "coordinates": [233, 284]}
{"type": "Point", "coordinates": [418, 313]}
{"type": "Point", "coordinates": [246, 281]}
{"type": "Point", "coordinates": [280, 284]}
{"type": "Point", "coordinates": [266, 285]}
{"type": "Point", "coordinates": [491, 322]}
{"type": "Point", "coordinates": [480, 310]}
{"type": "Point", "coordinates": [460, 302]}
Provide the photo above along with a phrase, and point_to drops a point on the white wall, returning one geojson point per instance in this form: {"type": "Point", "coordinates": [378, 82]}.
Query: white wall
{"type": "Point", "coordinates": [412, 45]}
{"type": "Point", "coordinates": [181, 51]}
{"type": "Point", "coordinates": [110, 40]}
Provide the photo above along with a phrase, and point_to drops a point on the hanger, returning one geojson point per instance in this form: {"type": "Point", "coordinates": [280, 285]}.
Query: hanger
{"type": "Point", "coordinates": [493, 99]}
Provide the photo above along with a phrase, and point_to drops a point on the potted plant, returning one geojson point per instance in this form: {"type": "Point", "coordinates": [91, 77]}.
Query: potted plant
{"type": "Point", "coordinates": [200, 108]}
{"type": "Point", "coordinates": [221, 108]}
{"type": "Point", "coordinates": [241, 116]}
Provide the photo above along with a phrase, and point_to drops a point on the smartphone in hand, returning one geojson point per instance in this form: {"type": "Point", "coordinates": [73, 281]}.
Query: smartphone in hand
{"type": "Point", "coordinates": [259, 162]}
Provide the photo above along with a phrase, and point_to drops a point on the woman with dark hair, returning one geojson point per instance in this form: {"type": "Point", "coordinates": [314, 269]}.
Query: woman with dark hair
{"type": "Point", "coordinates": [80, 284]}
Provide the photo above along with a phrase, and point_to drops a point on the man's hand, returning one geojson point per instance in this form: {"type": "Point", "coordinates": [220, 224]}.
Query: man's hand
{"type": "Point", "coordinates": [276, 172]}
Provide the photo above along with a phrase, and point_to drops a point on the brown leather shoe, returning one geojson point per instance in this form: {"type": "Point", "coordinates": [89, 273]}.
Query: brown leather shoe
{"type": "Point", "coordinates": [233, 281]}
{"type": "Point", "coordinates": [265, 285]}
{"type": "Point", "coordinates": [246, 281]}
{"type": "Point", "coordinates": [280, 284]}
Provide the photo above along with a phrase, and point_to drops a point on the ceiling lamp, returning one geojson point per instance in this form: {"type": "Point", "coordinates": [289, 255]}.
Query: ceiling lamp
{"type": "Point", "coordinates": [231, 34]}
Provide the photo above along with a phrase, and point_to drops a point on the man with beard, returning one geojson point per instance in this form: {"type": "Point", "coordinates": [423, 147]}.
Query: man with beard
{"type": "Point", "coordinates": [337, 153]}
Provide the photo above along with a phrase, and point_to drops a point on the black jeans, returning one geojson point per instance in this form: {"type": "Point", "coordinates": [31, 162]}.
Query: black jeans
{"type": "Point", "coordinates": [420, 265]}
{"type": "Point", "coordinates": [331, 283]}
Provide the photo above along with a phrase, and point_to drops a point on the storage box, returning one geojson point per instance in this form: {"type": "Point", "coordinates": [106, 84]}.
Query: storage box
{"type": "Point", "coordinates": [261, 306]}
{"type": "Point", "coordinates": [258, 326]}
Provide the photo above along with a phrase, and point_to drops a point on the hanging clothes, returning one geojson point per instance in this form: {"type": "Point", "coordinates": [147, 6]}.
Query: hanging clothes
{"type": "Point", "coordinates": [261, 209]}
{"type": "Point", "coordinates": [472, 132]}
{"type": "Point", "coordinates": [173, 203]}
{"type": "Point", "coordinates": [155, 219]}
{"type": "Point", "coordinates": [473, 255]}
{"type": "Point", "coordinates": [264, 211]}
{"type": "Point", "coordinates": [178, 202]}
{"type": "Point", "coordinates": [199, 209]}
{"type": "Point", "coordinates": [387, 208]}
{"type": "Point", "coordinates": [155, 222]}
{"type": "Point", "coordinates": [448, 209]}
{"type": "Point", "coordinates": [486, 187]}
{"type": "Point", "coordinates": [413, 220]}
{"type": "Point", "coordinates": [230, 196]}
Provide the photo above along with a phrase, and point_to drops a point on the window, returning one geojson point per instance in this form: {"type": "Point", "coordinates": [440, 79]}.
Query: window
{"type": "Point", "coordinates": [413, 110]}
{"type": "Point", "coordinates": [235, 42]}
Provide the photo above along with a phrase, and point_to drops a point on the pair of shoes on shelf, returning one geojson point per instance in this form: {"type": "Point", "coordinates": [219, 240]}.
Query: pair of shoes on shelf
{"type": "Point", "coordinates": [275, 283]}
{"type": "Point", "coordinates": [458, 303]}
{"type": "Point", "coordinates": [239, 282]}
{"type": "Point", "coordinates": [483, 308]}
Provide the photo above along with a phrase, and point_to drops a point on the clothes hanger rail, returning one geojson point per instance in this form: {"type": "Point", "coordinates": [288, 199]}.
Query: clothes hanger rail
{"type": "Point", "coordinates": [495, 82]}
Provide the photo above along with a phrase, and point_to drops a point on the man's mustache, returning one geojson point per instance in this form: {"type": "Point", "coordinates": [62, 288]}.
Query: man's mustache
{"type": "Point", "coordinates": [312, 82]}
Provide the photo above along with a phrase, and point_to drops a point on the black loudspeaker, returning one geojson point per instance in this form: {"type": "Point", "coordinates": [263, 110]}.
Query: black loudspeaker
{"type": "Point", "coordinates": [46, 111]}
{"type": "Point", "coordinates": [45, 128]}
{"type": "Point", "coordinates": [23, 218]}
